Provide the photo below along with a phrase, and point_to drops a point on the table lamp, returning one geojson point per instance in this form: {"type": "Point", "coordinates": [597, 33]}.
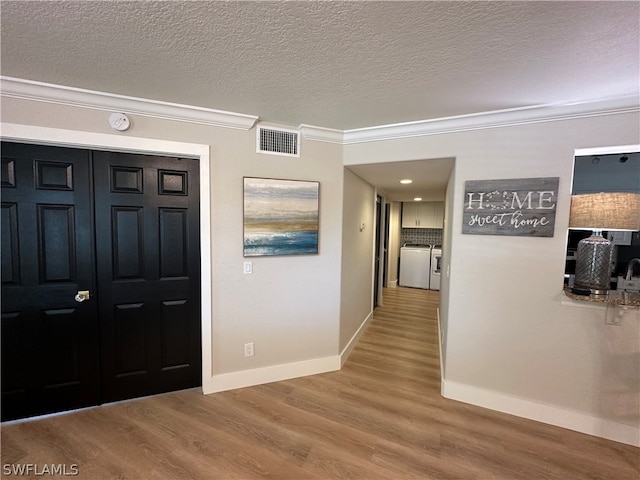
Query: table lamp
{"type": "Point", "coordinates": [598, 212]}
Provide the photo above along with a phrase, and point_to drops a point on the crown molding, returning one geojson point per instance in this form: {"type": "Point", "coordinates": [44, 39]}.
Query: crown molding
{"type": "Point", "coordinates": [59, 94]}
{"type": "Point", "coordinates": [322, 134]}
{"type": "Point", "coordinates": [494, 119]}
{"type": "Point", "coordinates": [78, 97]}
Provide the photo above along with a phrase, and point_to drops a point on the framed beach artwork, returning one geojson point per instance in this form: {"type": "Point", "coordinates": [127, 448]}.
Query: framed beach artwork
{"type": "Point", "coordinates": [280, 217]}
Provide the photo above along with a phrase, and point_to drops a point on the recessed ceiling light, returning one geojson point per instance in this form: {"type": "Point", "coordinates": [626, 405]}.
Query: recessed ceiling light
{"type": "Point", "coordinates": [406, 181]}
{"type": "Point", "coordinates": [417, 199]}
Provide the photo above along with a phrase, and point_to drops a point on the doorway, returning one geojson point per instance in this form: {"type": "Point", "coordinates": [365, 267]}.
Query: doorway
{"type": "Point", "coordinates": [381, 254]}
{"type": "Point", "coordinates": [101, 277]}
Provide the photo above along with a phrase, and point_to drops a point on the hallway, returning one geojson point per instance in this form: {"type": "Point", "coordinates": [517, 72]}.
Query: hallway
{"type": "Point", "coordinates": [381, 416]}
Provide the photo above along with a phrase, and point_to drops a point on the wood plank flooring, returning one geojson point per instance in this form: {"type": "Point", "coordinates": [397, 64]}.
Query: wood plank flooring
{"type": "Point", "coordinates": [380, 417]}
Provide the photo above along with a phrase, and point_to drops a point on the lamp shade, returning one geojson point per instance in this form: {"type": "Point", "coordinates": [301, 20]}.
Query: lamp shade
{"type": "Point", "coordinates": [605, 211]}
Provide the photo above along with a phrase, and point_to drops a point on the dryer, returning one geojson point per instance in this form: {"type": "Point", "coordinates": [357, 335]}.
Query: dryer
{"type": "Point", "coordinates": [436, 267]}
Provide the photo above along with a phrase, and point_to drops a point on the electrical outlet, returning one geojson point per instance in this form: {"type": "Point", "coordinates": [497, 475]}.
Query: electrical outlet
{"type": "Point", "coordinates": [247, 268]}
{"type": "Point", "coordinates": [248, 349]}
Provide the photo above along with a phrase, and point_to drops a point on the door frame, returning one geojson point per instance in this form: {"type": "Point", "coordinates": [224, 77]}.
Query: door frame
{"type": "Point", "coordinates": [118, 143]}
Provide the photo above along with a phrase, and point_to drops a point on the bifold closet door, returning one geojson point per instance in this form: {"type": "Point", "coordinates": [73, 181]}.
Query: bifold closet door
{"type": "Point", "coordinates": [147, 237]}
{"type": "Point", "coordinates": [50, 341]}
{"type": "Point", "coordinates": [100, 277]}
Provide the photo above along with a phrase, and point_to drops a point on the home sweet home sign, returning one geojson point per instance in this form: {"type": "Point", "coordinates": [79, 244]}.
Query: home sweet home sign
{"type": "Point", "coordinates": [512, 207]}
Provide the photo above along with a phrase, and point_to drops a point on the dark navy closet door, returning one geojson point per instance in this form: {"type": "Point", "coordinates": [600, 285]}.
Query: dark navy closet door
{"type": "Point", "coordinates": [50, 342]}
{"type": "Point", "coordinates": [100, 277]}
{"type": "Point", "coordinates": [147, 236]}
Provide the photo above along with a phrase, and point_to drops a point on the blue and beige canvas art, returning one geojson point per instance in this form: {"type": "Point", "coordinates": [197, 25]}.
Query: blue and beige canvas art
{"type": "Point", "coordinates": [280, 217]}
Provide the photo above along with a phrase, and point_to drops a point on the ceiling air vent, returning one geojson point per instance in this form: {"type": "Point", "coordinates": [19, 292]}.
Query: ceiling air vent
{"type": "Point", "coordinates": [278, 141]}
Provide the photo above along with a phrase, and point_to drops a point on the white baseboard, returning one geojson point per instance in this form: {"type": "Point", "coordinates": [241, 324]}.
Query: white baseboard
{"type": "Point", "coordinates": [344, 355]}
{"type": "Point", "coordinates": [540, 412]}
{"type": "Point", "coordinates": [274, 373]}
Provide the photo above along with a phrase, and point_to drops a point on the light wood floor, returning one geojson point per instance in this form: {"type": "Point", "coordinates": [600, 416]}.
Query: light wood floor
{"type": "Point", "coordinates": [380, 417]}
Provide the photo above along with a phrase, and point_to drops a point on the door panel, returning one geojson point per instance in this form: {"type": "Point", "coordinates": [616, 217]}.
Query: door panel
{"type": "Point", "coordinates": [147, 217]}
{"type": "Point", "coordinates": [175, 335]}
{"type": "Point", "coordinates": [56, 239]}
{"type": "Point", "coordinates": [127, 243]}
{"type": "Point", "coordinates": [60, 327]}
{"type": "Point", "coordinates": [10, 258]}
{"type": "Point", "coordinates": [129, 324]}
{"type": "Point", "coordinates": [174, 251]}
{"type": "Point", "coordinates": [14, 354]}
{"type": "Point", "coordinates": [50, 343]}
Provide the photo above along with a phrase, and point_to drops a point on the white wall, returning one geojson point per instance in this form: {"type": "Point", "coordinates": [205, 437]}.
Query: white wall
{"type": "Point", "coordinates": [357, 258]}
{"type": "Point", "coordinates": [445, 284]}
{"type": "Point", "coordinates": [511, 345]}
{"type": "Point", "coordinates": [290, 306]}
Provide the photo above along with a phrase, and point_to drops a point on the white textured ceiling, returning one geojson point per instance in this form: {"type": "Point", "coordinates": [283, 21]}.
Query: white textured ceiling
{"type": "Point", "coordinates": [338, 64]}
{"type": "Point", "coordinates": [341, 65]}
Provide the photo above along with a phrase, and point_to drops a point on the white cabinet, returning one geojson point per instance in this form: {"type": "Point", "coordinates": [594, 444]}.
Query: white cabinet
{"type": "Point", "coordinates": [422, 214]}
{"type": "Point", "coordinates": [410, 215]}
{"type": "Point", "coordinates": [438, 215]}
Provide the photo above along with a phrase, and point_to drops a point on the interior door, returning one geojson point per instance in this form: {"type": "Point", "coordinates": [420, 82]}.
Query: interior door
{"type": "Point", "coordinates": [147, 239]}
{"type": "Point", "coordinates": [377, 293]}
{"type": "Point", "coordinates": [50, 348]}
{"type": "Point", "coordinates": [123, 227]}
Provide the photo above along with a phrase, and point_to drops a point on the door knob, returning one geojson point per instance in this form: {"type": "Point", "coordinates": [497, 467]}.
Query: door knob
{"type": "Point", "coordinates": [82, 295]}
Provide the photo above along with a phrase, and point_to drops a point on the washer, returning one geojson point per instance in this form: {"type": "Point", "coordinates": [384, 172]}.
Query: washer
{"type": "Point", "coordinates": [414, 266]}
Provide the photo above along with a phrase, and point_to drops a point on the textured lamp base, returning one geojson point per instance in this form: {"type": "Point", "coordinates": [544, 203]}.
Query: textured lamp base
{"type": "Point", "coordinates": [593, 264]}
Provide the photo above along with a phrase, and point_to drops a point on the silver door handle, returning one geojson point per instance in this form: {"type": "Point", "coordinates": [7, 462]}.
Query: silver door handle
{"type": "Point", "coordinates": [82, 295]}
